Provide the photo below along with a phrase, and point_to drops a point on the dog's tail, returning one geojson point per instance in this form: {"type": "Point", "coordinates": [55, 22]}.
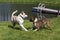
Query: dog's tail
{"type": "Point", "coordinates": [14, 12]}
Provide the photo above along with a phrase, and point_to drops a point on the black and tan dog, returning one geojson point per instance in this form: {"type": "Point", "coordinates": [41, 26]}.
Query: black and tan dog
{"type": "Point", "coordinates": [37, 24]}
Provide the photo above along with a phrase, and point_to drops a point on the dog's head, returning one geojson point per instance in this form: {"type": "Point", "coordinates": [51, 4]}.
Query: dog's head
{"type": "Point", "coordinates": [32, 19]}
{"type": "Point", "coordinates": [22, 14]}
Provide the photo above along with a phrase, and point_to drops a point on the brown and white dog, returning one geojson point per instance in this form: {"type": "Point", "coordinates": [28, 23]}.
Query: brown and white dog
{"type": "Point", "coordinates": [37, 24]}
{"type": "Point", "coordinates": [19, 19]}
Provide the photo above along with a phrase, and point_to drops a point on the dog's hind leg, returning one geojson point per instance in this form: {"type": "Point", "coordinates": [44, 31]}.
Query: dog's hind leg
{"type": "Point", "coordinates": [13, 24]}
{"type": "Point", "coordinates": [48, 24]}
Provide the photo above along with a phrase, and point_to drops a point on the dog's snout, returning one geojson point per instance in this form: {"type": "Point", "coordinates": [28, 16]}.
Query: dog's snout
{"type": "Point", "coordinates": [30, 20]}
{"type": "Point", "coordinates": [26, 15]}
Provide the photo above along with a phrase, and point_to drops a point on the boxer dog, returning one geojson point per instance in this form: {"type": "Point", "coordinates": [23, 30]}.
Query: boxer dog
{"type": "Point", "coordinates": [37, 24]}
{"type": "Point", "coordinates": [19, 19]}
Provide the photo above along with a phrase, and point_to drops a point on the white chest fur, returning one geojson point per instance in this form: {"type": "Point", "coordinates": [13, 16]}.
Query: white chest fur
{"type": "Point", "coordinates": [35, 21]}
{"type": "Point", "coordinates": [20, 19]}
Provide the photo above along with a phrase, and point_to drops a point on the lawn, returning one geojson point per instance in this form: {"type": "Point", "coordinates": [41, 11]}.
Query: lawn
{"type": "Point", "coordinates": [30, 1]}
{"type": "Point", "coordinates": [8, 33]}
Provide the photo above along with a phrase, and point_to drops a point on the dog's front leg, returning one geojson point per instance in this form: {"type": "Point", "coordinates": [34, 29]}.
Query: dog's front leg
{"type": "Point", "coordinates": [23, 26]}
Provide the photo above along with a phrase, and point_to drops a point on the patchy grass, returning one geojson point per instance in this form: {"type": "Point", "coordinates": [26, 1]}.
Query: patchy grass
{"type": "Point", "coordinates": [8, 33]}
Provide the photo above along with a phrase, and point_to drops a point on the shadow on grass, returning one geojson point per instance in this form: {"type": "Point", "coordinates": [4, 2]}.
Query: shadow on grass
{"type": "Point", "coordinates": [29, 28]}
{"type": "Point", "coordinates": [17, 28]}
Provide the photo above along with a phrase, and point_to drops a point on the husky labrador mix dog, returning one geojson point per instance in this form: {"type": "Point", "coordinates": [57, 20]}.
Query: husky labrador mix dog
{"type": "Point", "coordinates": [19, 19]}
{"type": "Point", "coordinates": [37, 24]}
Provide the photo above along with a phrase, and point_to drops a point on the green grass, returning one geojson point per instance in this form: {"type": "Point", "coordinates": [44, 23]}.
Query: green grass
{"type": "Point", "coordinates": [8, 33]}
{"type": "Point", "coordinates": [29, 1]}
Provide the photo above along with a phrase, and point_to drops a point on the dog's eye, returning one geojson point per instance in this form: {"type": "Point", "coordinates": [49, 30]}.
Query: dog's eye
{"type": "Point", "coordinates": [22, 13]}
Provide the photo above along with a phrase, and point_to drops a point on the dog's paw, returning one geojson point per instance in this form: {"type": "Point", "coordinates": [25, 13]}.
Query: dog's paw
{"type": "Point", "coordinates": [35, 29]}
{"type": "Point", "coordinates": [26, 30]}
